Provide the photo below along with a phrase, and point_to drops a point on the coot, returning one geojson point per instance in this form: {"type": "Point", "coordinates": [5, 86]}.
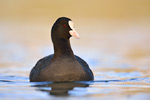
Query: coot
{"type": "Point", "coordinates": [63, 65]}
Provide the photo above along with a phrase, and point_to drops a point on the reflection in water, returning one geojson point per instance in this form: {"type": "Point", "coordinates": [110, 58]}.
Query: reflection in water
{"type": "Point", "coordinates": [60, 88]}
{"type": "Point", "coordinates": [19, 88]}
{"type": "Point", "coordinates": [114, 41]}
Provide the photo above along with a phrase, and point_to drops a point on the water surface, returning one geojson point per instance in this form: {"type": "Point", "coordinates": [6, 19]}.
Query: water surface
{"type": "Point", "coordinates": [114, 41]}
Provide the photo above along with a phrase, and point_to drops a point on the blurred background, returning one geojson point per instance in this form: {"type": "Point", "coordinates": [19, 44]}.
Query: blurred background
{"type": "Point", "coordinates": [114, 34]}
{"type": "Point", "coordinates": [114, 41]}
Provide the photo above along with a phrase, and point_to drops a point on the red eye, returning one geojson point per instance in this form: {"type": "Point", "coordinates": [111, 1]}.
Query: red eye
{"type": "Point", "coordinates": [65, 25]}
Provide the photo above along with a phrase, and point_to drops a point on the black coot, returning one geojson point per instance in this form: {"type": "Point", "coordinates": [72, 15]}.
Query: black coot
{"type": "Point", "coordinates": [63, 65]}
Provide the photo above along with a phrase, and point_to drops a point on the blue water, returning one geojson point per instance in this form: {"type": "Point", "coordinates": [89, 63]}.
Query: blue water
{"type": "Point", "coordinates": [115, 81]}
{"type": "Point", "coordinates": [19, 88]}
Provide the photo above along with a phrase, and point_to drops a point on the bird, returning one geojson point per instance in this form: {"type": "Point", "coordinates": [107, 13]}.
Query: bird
{"type": "Point", "coordinates": [63, 65]}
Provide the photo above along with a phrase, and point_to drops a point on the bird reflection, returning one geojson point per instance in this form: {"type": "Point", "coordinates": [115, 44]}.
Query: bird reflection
{"type": "Point", "coordinates": [60, 88]}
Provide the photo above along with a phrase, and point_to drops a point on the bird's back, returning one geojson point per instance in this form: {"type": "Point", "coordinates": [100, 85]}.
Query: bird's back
{"type": "Point", "coordinates": [61, 69]}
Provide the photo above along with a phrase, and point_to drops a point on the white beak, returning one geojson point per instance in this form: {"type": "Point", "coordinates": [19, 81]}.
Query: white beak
{"type": "Point", "coordinates": [73, 32]}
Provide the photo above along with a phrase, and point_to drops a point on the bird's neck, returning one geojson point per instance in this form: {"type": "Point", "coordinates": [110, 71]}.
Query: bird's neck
{"type": "Point", "coordinates": [62, 48]}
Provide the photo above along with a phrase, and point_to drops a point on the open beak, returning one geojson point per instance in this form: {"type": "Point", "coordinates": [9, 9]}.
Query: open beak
{"type": "Point", "coordinates": [73, 32]}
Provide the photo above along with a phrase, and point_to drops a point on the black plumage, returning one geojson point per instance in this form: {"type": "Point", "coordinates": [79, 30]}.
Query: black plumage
{"type": "Point", "coordinates": [63, 65]}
